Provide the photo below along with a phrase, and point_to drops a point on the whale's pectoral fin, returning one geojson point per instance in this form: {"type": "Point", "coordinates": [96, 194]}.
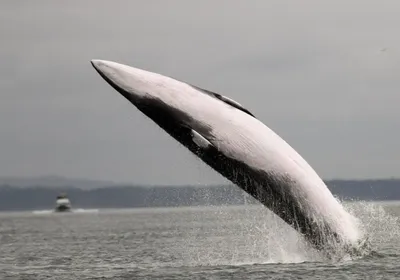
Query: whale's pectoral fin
{"type": "Point", "coordinates": [200, 140]}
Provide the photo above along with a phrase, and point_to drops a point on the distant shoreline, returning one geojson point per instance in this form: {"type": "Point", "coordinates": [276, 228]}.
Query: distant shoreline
{"type": "Point", "coordinates": [38, 197]}
{"type": "Point", "coordinates": [81, 210]}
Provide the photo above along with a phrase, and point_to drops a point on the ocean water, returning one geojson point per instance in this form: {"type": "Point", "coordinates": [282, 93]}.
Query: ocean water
{"type": "Point", "coordinates": [240, 242]}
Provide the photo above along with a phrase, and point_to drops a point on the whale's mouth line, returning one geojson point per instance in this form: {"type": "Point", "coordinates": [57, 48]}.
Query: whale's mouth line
{"type": "Point", "coordinates": [123, 92]}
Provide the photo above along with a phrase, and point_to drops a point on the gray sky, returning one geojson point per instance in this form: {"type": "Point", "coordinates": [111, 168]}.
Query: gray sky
{"type": "Point", "coordinates": [323, 75]}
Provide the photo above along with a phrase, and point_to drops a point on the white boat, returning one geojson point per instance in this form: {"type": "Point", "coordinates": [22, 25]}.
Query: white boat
{"type": "Point", "coordinates": [63, 204]}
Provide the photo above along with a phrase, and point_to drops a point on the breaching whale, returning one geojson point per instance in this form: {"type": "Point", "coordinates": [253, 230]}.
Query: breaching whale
{"type": "Point", "coordinates": [231, 140]}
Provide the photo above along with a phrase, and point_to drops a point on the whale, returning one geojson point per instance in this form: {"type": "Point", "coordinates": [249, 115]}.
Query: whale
{"type": "Point", "coordinates": [236, 144]}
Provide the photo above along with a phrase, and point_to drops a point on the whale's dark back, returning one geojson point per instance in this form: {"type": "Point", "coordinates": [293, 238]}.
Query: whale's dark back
{"type": "Point", "coordinates": [267, 188]}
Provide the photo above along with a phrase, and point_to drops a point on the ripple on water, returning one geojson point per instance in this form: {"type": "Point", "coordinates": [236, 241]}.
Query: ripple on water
{"type": "Point", "coordinates": [197, 243]}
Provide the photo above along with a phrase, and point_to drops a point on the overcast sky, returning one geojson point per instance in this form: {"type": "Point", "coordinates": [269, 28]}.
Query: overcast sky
{"type": "Point", "coordinates": [324, 75]}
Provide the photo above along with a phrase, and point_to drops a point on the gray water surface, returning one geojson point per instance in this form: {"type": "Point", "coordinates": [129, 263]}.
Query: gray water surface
{"type": "Point", "coordinates": [241, 242]}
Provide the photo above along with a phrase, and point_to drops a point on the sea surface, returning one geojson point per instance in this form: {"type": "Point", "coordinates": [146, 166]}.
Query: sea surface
{"type": "Point", "coordinates": [236, 242]}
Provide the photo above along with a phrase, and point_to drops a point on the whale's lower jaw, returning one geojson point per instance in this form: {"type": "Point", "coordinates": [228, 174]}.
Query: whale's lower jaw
{"type": "Point", "coordinates": [163, 100]}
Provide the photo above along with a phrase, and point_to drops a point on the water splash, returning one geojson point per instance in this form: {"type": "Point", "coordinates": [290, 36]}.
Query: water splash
{"type": "Point", "coordinates": [252, 234]}
{"type": "Point", "coordinates": [378, 221]}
